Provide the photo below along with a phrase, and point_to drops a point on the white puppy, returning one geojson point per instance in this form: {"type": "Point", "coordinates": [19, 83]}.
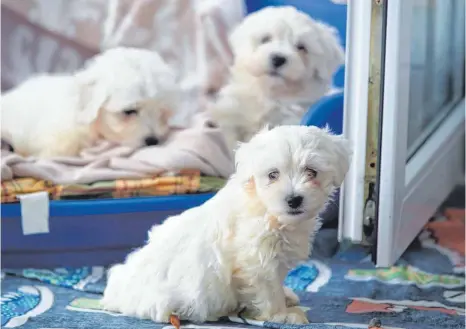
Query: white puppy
{"type": "Point", "coordinates": [124, 95]}
{"type": "Point", "coordinates": [284, 61]}
{"type": "Point", "coordinates": [234, 251]}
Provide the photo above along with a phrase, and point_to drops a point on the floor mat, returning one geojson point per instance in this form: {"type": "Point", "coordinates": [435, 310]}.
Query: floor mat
{"type": "Point", "coordinates": [424, 290]}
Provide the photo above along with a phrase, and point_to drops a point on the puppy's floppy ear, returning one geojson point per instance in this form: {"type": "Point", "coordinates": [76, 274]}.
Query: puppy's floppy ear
{"type": "Point", "coordinates": [235, 39]}
{"type": "Point", "coordinates": [239, 37]}
{"type": "Point", "coordinates": [330, 51]}
{"type": "Point", "coordinates": [165, 114]}
{"type": "Point", "coordinates": [242, 155]}
{"type": "Point", "coordinates": [92, 97]}
{"type": "Point", "coordinates": [245, 155]}
{"type": "Point", "coordinates": [342, 151]}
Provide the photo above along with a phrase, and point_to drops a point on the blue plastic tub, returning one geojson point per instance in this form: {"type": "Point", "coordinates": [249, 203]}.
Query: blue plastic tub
{"type": "Point", "coordinates": [328, 111]}
{"type": "Point", "coordinates": [91, 232]}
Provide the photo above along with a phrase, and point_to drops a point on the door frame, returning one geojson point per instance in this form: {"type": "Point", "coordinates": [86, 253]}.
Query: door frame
{"type": "Point", "coordinates": [410, 192]}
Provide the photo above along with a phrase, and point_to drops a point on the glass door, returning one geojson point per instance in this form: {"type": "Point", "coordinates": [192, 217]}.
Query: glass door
{"type": "Point", "coordinates": [422, 133]}
{"type": "Point", "coordinates": [419, 153]}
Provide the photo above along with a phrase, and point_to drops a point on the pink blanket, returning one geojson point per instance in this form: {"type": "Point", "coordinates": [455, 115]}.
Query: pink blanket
{"type": "Point", "coordinates": [199, 147]}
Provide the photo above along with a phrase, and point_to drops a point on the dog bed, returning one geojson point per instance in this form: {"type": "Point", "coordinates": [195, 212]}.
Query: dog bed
{"type": "Point", "coordinates": [39, 232]}
{"type": "Point", "coordinates": [102, 231]}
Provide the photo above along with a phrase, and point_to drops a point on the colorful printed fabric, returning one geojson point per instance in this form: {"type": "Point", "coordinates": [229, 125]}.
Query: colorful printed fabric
{"type": "Point", "coordinates": [187, 181]}
{"type": "Point", "coordinates": [448, 237]}
{"type": "Point", "coordinates": [26, 302]}
{"type": "Point", "coordinates": [77, 278]}
{"type": "Point", "coordinates": [423, 290]}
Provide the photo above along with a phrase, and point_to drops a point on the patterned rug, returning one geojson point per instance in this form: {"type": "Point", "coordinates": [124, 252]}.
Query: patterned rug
{"type": "Point", "coordinates": [424, 290]}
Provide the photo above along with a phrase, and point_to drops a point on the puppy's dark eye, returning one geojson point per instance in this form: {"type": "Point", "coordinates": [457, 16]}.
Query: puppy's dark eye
{"type": "Point", "coordinates": [301, 47]}
{"type": "Point", "coordinates": [130, 112]}
{"type": "Point", "coordinates": [266, 38]}
{"type": "Point", "coordinates": [311, 173]}
{"type": "Point", "coordinates": [274, 174]}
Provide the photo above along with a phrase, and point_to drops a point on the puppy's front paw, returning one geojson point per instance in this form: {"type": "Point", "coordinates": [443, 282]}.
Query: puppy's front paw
{"type": "Point", "coordinates": [293, 315]}
{"type": "Point", "coordinates": [291, 298]}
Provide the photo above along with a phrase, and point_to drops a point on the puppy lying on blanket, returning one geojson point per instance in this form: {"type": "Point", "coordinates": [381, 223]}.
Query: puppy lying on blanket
{"type": "Point", "coordinates": [234, 251]}
{"type": "Point", "coordinates": [284, 61]}
{"type": "Point", "coordinates": [124, 96]}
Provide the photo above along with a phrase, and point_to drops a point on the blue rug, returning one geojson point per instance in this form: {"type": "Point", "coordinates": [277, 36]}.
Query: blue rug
{"type": "Point", "coordinates": [424, 290]}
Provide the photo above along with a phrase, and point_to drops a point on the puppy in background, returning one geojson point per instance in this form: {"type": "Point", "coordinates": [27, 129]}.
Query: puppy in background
{"type": "Point", "coordinates": [284, 61]}
{"type": "Point", "coordinates": [124, 95]}
{"type": "Point", "coordinates": [234, 251]}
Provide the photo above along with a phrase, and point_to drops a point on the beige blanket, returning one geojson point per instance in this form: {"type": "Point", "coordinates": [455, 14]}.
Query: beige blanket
{"type": "Point", "coordinates": [199, 147]}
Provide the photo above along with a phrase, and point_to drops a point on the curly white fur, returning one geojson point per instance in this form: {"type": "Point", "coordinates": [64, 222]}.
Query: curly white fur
{"type": "Point", "coordinates": [234, 251]}
{"type": "Point", "coordinates": [259, 92]}
{"type": "Point", "coordinates": [60, 115]}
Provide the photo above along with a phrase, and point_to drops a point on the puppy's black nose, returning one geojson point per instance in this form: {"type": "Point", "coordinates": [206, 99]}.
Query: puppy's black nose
{"type": "Point", "coordinates": [278, 60]}
{"type": "Point", "coordinates": [151, 140]}
{"type": "Point", "coordinates": [294, 201]}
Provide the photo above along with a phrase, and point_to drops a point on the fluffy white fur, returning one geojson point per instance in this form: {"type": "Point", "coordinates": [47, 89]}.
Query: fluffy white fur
{"type": "Point", "coordinates": [259, 92]}
{"type": "Point", "coordinates": [234, 251]}
{"type": "Point", "coordinates": [123, 95]}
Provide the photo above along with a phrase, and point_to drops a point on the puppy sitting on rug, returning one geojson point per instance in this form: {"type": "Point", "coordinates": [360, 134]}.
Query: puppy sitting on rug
{"type": "Point", "coordinates": [234, 251]}
{"type": "Point", "coordinates": [124, 95]}
{"type": "Point", "coordinates": [284, 61]}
